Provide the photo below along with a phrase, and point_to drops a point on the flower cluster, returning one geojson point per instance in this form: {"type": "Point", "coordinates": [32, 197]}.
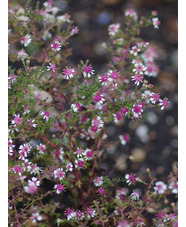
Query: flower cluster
{"type": "Point", "coordinates": [59, 118]}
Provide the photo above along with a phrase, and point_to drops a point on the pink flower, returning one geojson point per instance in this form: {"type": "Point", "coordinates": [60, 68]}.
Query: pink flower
{"type": "Point", "coordinates": [59, 173]}
{"type": "Point", "coordinates": [17, 169]}
{"type": "Point", "coordinates": [174, 186]}
{"type": "Point", "coordinates": [160, 187]}
{"type": "Point", "coordinates": [88, 154]}
{"type": "Point", "coordinates": [131, 13]}
{"type": "Point", "coordinates": [103, 79]}
{"type": "Point", "coordinates": [32, 185]}
{"type": "Point", "coordinates": [79, 152]}
{"type": "Point", "coordinates": [152, 69]}
{"type": "Point", "coordinates": [156, 22]}
{"type": "Point", "coordinates": [137, 78]}
{"type": "Point", "coordinates": [101, 191]}
{"type": "Point", "coordinates": [45, 115]}
{"type": "Point", "coordinates": [154, 98]}
{"type": "Point", "coordinates": [41, 148]}
{"type": "Point", "coordinates": [69, 73]}
{"type": "Point", "coordinates": [98, 181]}
{"type": "Point", "coordinates": [63, 18]}
{"type": "Point", "coordinates": [22, 55]}
{"type": "Point", "coordinates": [59, 153]}
{"type": "Point", "coordinates": [139, 223]}
{"type": "Point", "coordinates": [124, 110]}
{"type": "Point", "coordinates": [139, 68]}
{"type": "Point", "coordinates": [154, 13]}
{"type": "Point", "coordinates": [79, 215]}
{"type": "Point", "coordinates": [99, 99]}
{"type": "Point", "coordinates": [56, 46]}
{"type": "Point", "coordinates": [150, 54]}
{"type": "Point", "coordinates": [163, 103]}
{"type": "Point", "coordinates": [26, 40]}
{"type": "Point", "coordinates": [76, 107]}
{"type": "Point", "coordinates": [31, 123]}
{"type": "Point", "coordinates": [117, 118]}
{"type": "Point", "coordinates": [88, 71]}
{"type": "Point", "coordinates": [59, 188]}
{"type": "Point", "coordinates": [135, 50]}
{"type": "Point", "coordinates": [135, 195]}
{"type": "Point", "coordinates": [36, 217]}
{"type": "Point", "coordinates": [123, 224]}
{"type": "Point", "coordinates": [124, 138]}
{"type": "Point", "coordinates": [74, 31]}
{"type": "Point", "coordinates": [24, 150]}
{"type": "Point", "coordinates": [90, 213]}
{"type": "Point", "coordinates": [120, 194]}
{"type": "Point", "coordinates": [130, 179]}
{"type": "Point", "coordinates": [137, 110]}
{"type": "Point", "coordinates": [17, 120]}
{"type": "Point", "coordinates": [69, 166]}
{"type": "Point", "coordinates": [70, 213]}
{"type": "Point", "coordinates": [113, 29]}
{"type": "Point", "coordinates": [51, 67]}
{"type": "Point", "coordinates": [79, 163]}
{"type": "Point", "coordinates": [113, 75]}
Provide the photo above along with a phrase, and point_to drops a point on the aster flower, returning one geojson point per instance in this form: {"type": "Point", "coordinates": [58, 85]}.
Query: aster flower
{"type": "Point", "coordinates": [45, 115]}
{"type": "Point", "coordinates": [17, 120]}
{"type": "Point", "coordinates": [98, 181]}
{"type": "Point", "coordinates": [174, 187]}
{"type": "Point", "coordinates": [113, 29]}
{"type": "Point", "coordinates": [70, 213]}
{"type": "Point", "coordinates": [36, 217]}
{"type": "Point", "coordinates": [101, 191]}
{"type": "Point", "coordinates": [88, 154]}
{"type": "Point", "coordinates": [137, 110]}
{"type": "Point", "coordinates": [41, 148]}
{"type": "Point", "coordinates": [69, 73]}
{"type": "Point", "coordinates": [26, 40]}
{"type": "Point", "coordinates": [131, 13]}
{"type": "Point", "coordinates": [79, 215]}
{"type": "Point", "coordinates": [130, 179]}
{"type": "Point", "coordinates": [156, 22]}
{"type": "Point", "coordinates": [22, 55]}
{"type": "Point", "coordinates": [56, 46]}
{"type": "Point", "coordinates": [79, 163]}
{"type": "Point", "coordinates": [124, 139]}
{"type": "Point", "coordinates": [51, 67]}
{"type": "Point", "coordinates": [163, 103]}
{"type": "Point", "coordinates": [99, 99]}
{"type": "Point", "coordinates": [59, 188]}
{"type": "Point", "coordinates": [117, 118]}
{"type": "Point", "coordinates": [154, 97]}
{"type": "Point", "coordinates": [160, 187]}
{"type": "Point", "coordinates": [135, 50]}
{"type": "Point", "coordinates": [63, 18]}
{"type": "Point", "coordinates": [59, 173]}
{"type": "Point", "coordinates": [59, 153]}
{"type": "Point", "coordinates": [69, 166]}
{"type": "Point", "coordinates": [103, 79]}
{"type": "Point", "coordinates": [137, 78]}
{"type": "Point", "coordinates": [90, 213]}
{"type": "Point", "coordinates": [88, 71]}
{"type": "Point", "coordinates": [135, 195]}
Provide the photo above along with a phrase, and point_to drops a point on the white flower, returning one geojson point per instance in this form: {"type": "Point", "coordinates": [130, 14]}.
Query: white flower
{"type": "Point", "coordinates": [26, 40]}
{"type": "Point", "coordinates": [36, 217]}
{"type": "Point", "coordinates": [156, 22]}
{"type": "Point", "coordinates": [160, 187]}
